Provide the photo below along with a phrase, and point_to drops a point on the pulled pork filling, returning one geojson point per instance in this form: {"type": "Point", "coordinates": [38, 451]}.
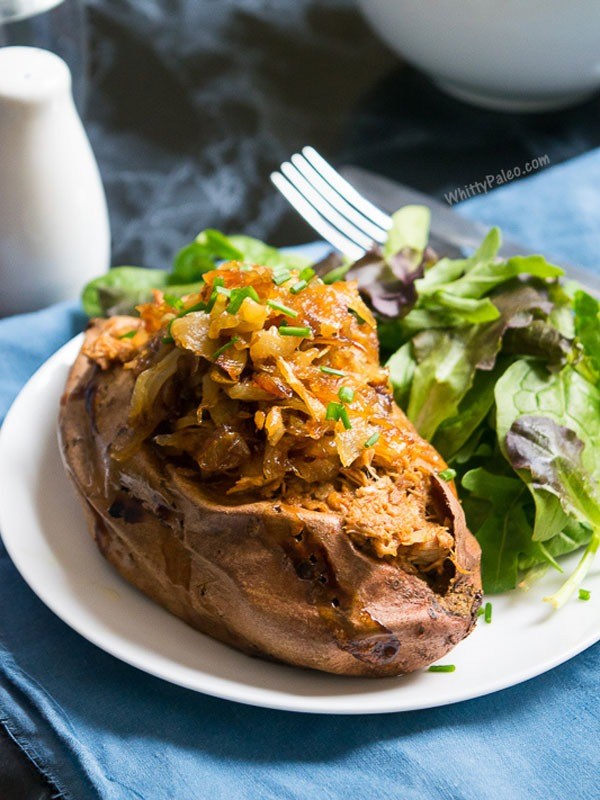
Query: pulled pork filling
{"type": "Point", "coordinates": [268, 382]}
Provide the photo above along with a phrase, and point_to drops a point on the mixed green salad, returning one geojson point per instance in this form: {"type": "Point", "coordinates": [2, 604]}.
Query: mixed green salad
{"type": "Point", "coordinates": [496, 362]}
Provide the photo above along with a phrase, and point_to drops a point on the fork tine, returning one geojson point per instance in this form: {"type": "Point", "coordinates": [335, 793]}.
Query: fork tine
{"type": "Point", "coordinates": [326, 210]}
{"type": "Point", "coordinates": [346, 189]}
{"type": "Point", "coordinates": [373, 231]}
{"type": "Point", "coordinates": [314, 219]}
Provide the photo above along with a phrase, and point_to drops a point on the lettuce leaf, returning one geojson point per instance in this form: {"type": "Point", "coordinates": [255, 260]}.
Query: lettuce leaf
{"type": "Point", "coordinates": [121, 289]}
{"type": "Point", "coordinates": [490, 344]}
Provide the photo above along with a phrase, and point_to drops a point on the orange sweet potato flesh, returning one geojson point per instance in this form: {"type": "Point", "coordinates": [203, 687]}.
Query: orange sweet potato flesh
{"type": "Point", "coordinates": [273, 580]}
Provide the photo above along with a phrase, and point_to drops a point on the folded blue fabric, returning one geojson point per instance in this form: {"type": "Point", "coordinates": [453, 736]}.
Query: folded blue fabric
{"type": "Point", "coordinates": [101, 729]}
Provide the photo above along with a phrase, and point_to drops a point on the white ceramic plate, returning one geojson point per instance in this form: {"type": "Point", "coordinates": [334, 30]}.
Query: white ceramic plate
{"type": "Point", "coordinates": [45, 534]}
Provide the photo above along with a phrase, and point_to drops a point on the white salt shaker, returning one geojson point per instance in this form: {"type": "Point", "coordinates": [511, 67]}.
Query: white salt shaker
{"type": "Point", "coordinates": [54, 232]}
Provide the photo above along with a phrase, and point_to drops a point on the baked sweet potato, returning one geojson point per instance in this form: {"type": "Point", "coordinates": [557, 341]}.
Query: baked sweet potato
{"type": "Point", "coordinates": [241, 460]}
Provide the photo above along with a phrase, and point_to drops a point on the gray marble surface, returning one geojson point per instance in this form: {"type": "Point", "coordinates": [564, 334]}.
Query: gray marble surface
{"type": "Point", "coordinates": [193, 102]}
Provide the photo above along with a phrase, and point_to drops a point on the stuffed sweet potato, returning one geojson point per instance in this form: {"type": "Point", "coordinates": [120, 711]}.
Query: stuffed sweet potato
{"type": "Point", "coordinates": [241, 460]}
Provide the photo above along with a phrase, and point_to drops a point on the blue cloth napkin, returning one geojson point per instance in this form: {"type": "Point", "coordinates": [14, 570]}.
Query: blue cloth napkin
{"type": "Point", "coordinates": [101, 729]}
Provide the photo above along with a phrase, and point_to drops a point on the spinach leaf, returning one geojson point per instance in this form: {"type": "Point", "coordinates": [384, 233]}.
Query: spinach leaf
{"type": "Point", "coordinates": [120, 290]}
{"type": "Point", "coordinates": [202, 255]}
{"type": "Point", "coordinates": [505, 533]}
{"type": "Point", "coordinates": [454, 432]}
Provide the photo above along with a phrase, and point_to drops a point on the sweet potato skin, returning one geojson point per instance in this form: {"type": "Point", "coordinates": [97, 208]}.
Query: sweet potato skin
{"type": "Point", "coordinates": [266, 578]}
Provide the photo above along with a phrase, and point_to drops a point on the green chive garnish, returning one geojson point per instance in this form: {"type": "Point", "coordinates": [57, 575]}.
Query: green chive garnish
{"type": "Point", "coordinates": [167, 340]}
{"type": "Point", "coordinates": [345, 418]}
{"type": "Point", "coordinates": [307, 274]}
{"type": "Point", "coordinates": [584, 594]}
{"type": "Point", "coordinates": [447, 474]}
{"type": "Point", "coordinates": [373, 439]}
{"type": "Point", "coordinates": [346, 394]}
{"type": "Point", "coordinates": [297, 287]}
{"type": "Point", "coordinates": [218, 281]}
{"type": "Point", "coordinates": [222, 290]}
{"type": "Point", "coordinates": [289, 312]}
{"type": "Point", "coordinates": [332, 371]}
{"type": "Point", "coordinates": [239, 295]}
{"type": "Point", "coordinates": [480, 612]}
{"type": "Point", "coordinates": [442, 668]}
{"type": "Point", "coordinates": [357, 316]}
{"type": "Point", "coordinates": [225, 347]}
{"type": "Point", "coordinates": [174, 301]}
{"type": "Point", "coordinates": [281, 275]}
{"type": "Point", "coordinates": [333, 411]}
{"type": "Point", "coordinates": [129, 334]}
{"type": "Point", "coordinates": [196, 307]}
{"type": "Point", "coordinates": [337, 411]}
{"type": "Point", "coordinates": [487, 612]}
{"type": "Point", "coordinates": [289, 330]}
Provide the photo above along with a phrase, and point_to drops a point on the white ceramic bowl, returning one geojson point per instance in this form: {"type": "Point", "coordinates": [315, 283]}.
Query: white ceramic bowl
{"type": "Point", "coordinates": [514, 55]}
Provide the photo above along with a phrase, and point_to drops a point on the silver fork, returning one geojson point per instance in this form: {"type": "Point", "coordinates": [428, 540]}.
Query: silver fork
{"type": "Point", "coordinates": [331, 205]}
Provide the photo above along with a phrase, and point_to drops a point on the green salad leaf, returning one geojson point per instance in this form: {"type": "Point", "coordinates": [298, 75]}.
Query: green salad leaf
{"type": "Point", "coordinates": [121, 289]}
{"type": "Point", "coordinates": [409, 232]}
{"type": "Point", "coordinates": [495, 348]}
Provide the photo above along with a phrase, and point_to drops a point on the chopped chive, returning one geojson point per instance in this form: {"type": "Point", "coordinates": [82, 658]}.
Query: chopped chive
{"type": "Point", "coordinates": [222, 290]}
{"type": "Point", "coordinates": [129, 334]}
{"type": "Point", "coordinates": [480, 612]}
{"type": "Point", "coordinates": [174, 301]}
{"type": "Point", "coordinates": [447, 474]}
{"type": "Point", "coordinates": [289, 330]}
{"type": "Point", "coordinates": [487, 613]}
{"type": "Point", "coordinates": [584, 594]}
{"type": "Point", "coordinates": [297, 287]}
{"type": "Point", "coordinates": [373, 439]}
{"type": "Point", "coordinates": [345, 418]}
{"type": "Point", "coordinates": [239, 295]}
{"type": "Point", "coordinates": [196, 307]}
{"type": "Point", "coordinates": [289, 312]}
{"type": "Point", "coordinates": [346, 394]}
{"type": "Point", "coordinates": [218, 281]}
{"type": "Point", "coordinates": [357, 316]}
{"type": "Point", "coordinates": [333, 411]}
{"type": "Point", "coordinates": [332, 371]}
{"type": "Point", "coordinates": [167, 339]}
{"type": "Point", "coordinates": [225, 347]}
{"type": "Point", "coordinates": [281, 275]}
{"type": "Point", "coordinates": [442, 668]}
{"type": "Point", "coordinates": [307, 274]}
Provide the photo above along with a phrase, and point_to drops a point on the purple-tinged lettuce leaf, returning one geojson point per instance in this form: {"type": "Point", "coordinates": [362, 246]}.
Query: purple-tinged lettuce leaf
{"type": "Point", "coordinates": [552, 455]}
{"type": "Point", "coordinates": [539, 339]}
{"type": "Point", "coordinates": [386, 275]}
